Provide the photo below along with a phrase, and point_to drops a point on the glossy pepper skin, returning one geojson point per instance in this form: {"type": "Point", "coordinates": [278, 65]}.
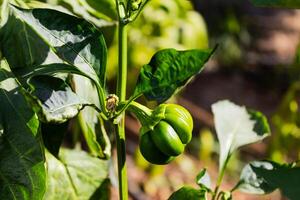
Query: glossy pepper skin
{"type": "Point", "coordinates": [169, 136]}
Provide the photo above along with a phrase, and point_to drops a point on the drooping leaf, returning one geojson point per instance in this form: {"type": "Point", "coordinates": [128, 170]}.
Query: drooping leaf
{"type": "Point", "coordinates": [236, 127]}
{"type": "Point", "coordinates": [285, 177]}
{"type": "Point", "coordinates": [89, 120]}
{"type": "Point", "coordinates": [277, 3]}
{"type": "Point", "coordinates": [203, 179]}
{"type": "Point", "coordinates": [188, 193]}
{"type": "Point", "coordinates": [169, 70]}
{"type": "Point", "coordinates": [54, 100]}
{"type": "Point", "coordinates": [22, 171]}
{"type": "Point", "coordinates": [80, 175]}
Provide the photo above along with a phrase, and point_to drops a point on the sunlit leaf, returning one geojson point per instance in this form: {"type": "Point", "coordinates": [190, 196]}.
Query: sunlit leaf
{"type": "Point", "coordinates": [76, 175]}
{"type": "Point", "coordinates": [270, 175]}
{"type": "Point", "coordinates": [236, 126]}
{"type": "Point", "coordinates": [168, 71]}
{"type": "Point", "coordinates": [89, 120]}
{"type": "Point", "coordinates": [250, 182]}
{"type": "Point", "coordinates": [22, 171]}
{"type": "Point", "coordinates": [50, 42]}
{"type": "Point", "coordinates": [54, 100]}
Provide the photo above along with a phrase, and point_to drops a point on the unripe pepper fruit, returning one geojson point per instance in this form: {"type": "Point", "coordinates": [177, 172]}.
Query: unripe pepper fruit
{"type": "Point", "coordinates": [169, 136]}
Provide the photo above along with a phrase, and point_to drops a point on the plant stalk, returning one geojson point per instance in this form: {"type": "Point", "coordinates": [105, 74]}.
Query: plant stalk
{"type": "Point", "coordinates": [220, 178]}
{"type": "Point", "coordinates": [120, 127]}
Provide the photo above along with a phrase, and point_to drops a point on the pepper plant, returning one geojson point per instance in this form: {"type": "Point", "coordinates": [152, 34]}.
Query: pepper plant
{"type": "Point", "coordinates": [53, 69]}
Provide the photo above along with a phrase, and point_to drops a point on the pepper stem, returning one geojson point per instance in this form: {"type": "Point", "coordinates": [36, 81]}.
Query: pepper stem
{"type": "Point", "coordinates": [141, 112]}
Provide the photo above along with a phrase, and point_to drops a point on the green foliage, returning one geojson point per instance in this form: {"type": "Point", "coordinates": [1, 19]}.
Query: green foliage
{"type": "Point", "coordinates": [203, 179]}
{"type": "Point", "coordinates": [53, 99]}
{"type": "Point", "coordinates": [277, 3]}
{"type": "Point", "coordinates": [91, 124]}
{"type": "Point", "coordinates": [80, 175]}
{"type": "Point", "coordinates": [187, 192]}
{"type": "Point", "coordinates": [22, 171]}
{"type": "Point", "coordinates": [286, 121]}
{"type": "Point", "coordinates": [252, 183]}
{"type": "Point", "coordinates": [169, 70]}
{"type": "Point", "coordinates": [160, 25]}
{"type": "Point", "coordinates": [265, 176]}
{"type": "Point", "coordinates": [51, 43]}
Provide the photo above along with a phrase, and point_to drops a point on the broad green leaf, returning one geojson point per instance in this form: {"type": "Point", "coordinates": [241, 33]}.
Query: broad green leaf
{"type": "Point", "coordinates": [45, 37]}
{"type": "Point", "coordinates": [284, 177]}
{"type": "Point", "coordinates": [169, 70]}
{"type": "Point", "coordinates": [51, 42]}
{"type": "Point", "coordinates": [22, 171]}
{"type": "Point", "coordinates": [54, 100]}
{"type": "Point", "coordinates": [277, 3]}
{"type": "Point", "coordinates": [236, 126]}
{"type": "Point", "coordinates": [203, 179]}
{"type": "Point", "coordinates": [188, 193]}
{"type": "Point", "coordinates": [250, 182]}
{"type": "Point", "coordinates": [79, 175]}
{"type": "Point", "coordinates": [89, 120]}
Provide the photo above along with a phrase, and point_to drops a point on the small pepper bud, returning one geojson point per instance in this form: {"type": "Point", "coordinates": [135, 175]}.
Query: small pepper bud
{"type": "Point", "coordinates": [112, 101]}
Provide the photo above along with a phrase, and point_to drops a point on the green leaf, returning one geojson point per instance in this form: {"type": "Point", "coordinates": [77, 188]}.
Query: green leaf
{"type": "Point", "coordinates": [188, 193]}
{"type": "Point", "coordinates": [22, 171]}
{"type": "Point", "coordinates": [79, 174]}
{"type": "Point", "coordinates": [169, 70]}
{"type": "Point", "coordinates": [203, 179]}
{"type": "Point", "coordinates": [45, 36]}
{"type": "Point", "coordinates": [3, 12]}
{"type": "Point", "coordinates": [277, 3]}
{"type": "Point", "coordinates": [236, 127]}
{"type": "Point", "coordinates": [51, 42]}
{"type": "Point", "coordinates": [54, 100]}
{"type": "Point", "coordinates": [285, 177]}
{"type": "Point", "coordinates": [53, 135]}
{"type": "Point", "coordinates": [250, 182]}
{"type": "Point", "coordinates": [90, 122]}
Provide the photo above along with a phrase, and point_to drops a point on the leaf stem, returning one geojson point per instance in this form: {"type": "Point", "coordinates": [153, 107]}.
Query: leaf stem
{"type": "Point", "coordinates": [120, 127]}
{"type": "Point", "coordinates": [220, 178]}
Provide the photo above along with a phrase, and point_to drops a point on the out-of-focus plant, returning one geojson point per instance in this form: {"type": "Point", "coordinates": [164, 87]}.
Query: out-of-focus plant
{"type": "Point", "coordinates": [162, 23]}
{"type": "Point", "coordinates": [285, 142]}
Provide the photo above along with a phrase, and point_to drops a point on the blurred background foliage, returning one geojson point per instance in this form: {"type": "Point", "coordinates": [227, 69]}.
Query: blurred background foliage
{"type": "Point", "coordinates": [257, 64]}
